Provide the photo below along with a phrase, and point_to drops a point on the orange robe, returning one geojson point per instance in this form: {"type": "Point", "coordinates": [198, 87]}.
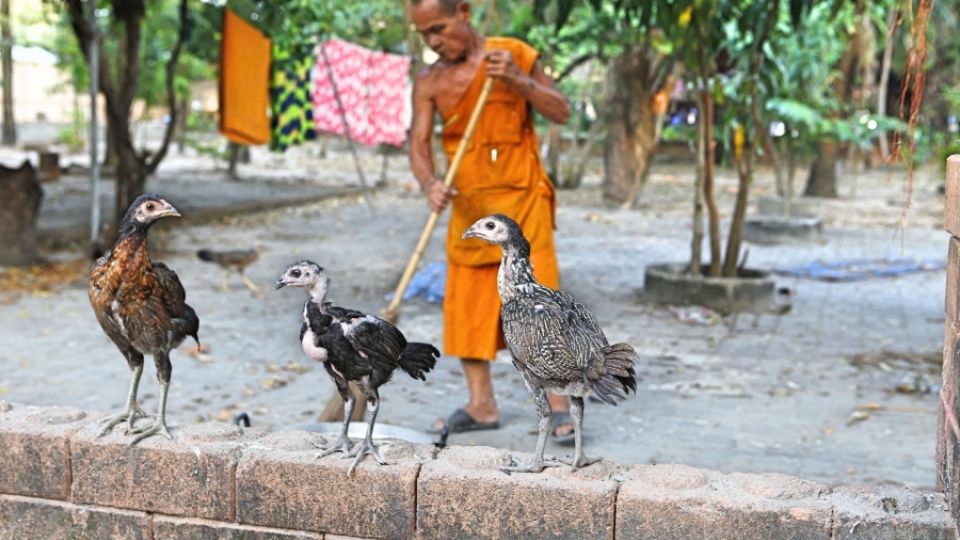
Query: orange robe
{"type": "Point", "coordinates": [501, 172]}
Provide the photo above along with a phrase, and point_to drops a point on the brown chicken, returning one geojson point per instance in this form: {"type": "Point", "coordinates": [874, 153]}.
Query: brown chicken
{"type": "Point", "coordinates": [141, 306]}
{"type": "Point", "coordinates": [232, 260]}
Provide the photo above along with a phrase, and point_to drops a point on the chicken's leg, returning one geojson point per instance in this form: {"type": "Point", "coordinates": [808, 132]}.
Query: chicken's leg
{"type": "Point", "coordinates": [249, 283]}
{"type": "Point", "coordinates": [342, 444]}
{"type": "Point", "coordinates": [133, 410]}
{"type": "Point", "coordinates": [580, 459]}
{"type": "Point", "coordinates": [367, 446]}
{"type": "Point", "coordinates": [159, 425]}
{"type": "Point", "coordinates": [543, 412]}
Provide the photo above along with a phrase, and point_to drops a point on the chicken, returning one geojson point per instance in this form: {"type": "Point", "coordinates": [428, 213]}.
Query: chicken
{"type": "Point", "coordinates": [232, 260]}
{"type": "Point", "coordinates": [556, 342]}
{"type": "Point", "coordinates": [354, 347]}
{"type": "Point", "coordinates": [141, 305]}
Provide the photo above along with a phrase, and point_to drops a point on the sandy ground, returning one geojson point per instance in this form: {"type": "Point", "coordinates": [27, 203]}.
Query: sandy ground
{"type": "Point", "coordinates": [808, 387]}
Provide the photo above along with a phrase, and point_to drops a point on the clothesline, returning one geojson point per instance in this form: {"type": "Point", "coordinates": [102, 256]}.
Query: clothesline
{"type": "Point", "coordinates": [373, 88]}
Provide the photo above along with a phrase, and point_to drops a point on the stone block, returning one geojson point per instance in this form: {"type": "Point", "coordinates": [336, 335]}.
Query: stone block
{"type": "Point", "coordinates": [463, 494]}
{"type": "Point", "coordinates": [670, 284]}
{"type": "Point", "coordinates": [951, 199]}
{"type": "Point", "coordinates": [806, 207]}
{"type": "Point", "coordinates": [769, 230]}
{"type": "Point", "coordinates": [281, 483]}
{"type": "Point", "coordinates": [35, 460]}
{"type": "Point", "coordinates": [170, 528]}
{"type": "Point", "coordinates": [23, 518]}
{"type": "Point", "coordinates": [192, 475]}
{"type": "Point", "coordinates": [882, 512]}
{"type": "Point", "coordinates": [951, 304]}
{"type": "Point", "coordinates": [677, 502]}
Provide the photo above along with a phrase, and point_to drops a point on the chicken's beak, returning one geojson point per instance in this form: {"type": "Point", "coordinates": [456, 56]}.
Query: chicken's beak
{"type": "Point", "coordinates": [279, 284]}
{"type": "Point", "coordinates": [471, 232]}
{"type": "Point", "coordinates": [169, 210]}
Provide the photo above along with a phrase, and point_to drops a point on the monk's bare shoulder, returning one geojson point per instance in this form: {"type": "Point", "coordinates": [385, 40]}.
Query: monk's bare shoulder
{"type": "Point", "coordinates": [427, 80]}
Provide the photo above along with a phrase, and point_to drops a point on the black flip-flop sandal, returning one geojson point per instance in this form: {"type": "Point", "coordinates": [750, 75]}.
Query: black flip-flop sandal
{"type": "Point", "coordinates": [460, 422]}
{"type": "Point", "coordinates": [558, 419]}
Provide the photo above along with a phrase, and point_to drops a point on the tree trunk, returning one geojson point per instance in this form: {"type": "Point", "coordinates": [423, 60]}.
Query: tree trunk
{"type": "Point", "coordinates": [9, 136]}
{"type": "Point", "coordinates": [631, 127]}
{"type": "Point", "coordinates": [20, 197]}
{"type": "Point", "coordinates": [131, 174]}
{"type": "Point", "coordinates": [822, 181]}
{"type": "Point", "coordinates": [705, 126]}
{"type": "Point", "coordinates": [553, 153]}
{"type": "Point", "coordinates": [885, 78]}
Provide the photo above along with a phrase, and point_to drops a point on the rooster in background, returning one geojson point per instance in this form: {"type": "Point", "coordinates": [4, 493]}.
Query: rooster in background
{"type": "Point", "coordinates": [141, 306]}
{"type": "Point", "coordinates": [235, 260]}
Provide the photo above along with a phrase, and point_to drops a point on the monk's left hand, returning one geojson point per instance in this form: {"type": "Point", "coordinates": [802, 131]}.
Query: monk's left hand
{"type": "Point", "coordinates": [500, 64]}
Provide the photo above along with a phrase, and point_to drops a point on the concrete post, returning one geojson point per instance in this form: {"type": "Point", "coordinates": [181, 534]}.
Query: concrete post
{"type": "Point", "coordinates": [948, 431]}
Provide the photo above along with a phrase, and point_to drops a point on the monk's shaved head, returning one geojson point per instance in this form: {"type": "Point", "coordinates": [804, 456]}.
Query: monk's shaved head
{"type": "Point", "coordinates": [450, 6]}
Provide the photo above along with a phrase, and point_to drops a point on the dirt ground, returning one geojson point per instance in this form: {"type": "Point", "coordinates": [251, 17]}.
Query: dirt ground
{"type": "Point", "coordinates": [836, 382]}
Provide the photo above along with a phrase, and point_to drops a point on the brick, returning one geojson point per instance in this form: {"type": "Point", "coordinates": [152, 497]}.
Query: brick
{"type": "Point", "coordinates": [281, 483]}
{"type": "Point", "coordinates": [22, 518]}
{"type": "Point", "coordinates": [170, 528]}
{"type": "Point", "coordinates": [463, 494]}
{"type": "Point", "coordinates": [36, 452]}
{"type": "Point", "coordinates": [677, 502]}
{"type": "Point", "coordinates": [951, 199]}
{"type": "Point", "coordinates": [888, 512]}
{"type": "Point", "coordinates": [193, 475]}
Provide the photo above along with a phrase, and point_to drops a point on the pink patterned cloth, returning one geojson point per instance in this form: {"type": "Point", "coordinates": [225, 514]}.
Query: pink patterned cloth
{"type": "Point", "coordinates": [373, 88]}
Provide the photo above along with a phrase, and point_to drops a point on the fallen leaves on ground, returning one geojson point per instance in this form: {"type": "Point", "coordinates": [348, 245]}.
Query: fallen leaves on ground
{"type": "Point", "coordinates": [43, 278]}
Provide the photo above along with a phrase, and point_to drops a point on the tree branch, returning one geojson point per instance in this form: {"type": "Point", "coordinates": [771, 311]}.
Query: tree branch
{"type": "Point", "coordinates": [151, 165]}
{"type": "Point", "coordinates": [574, 64]}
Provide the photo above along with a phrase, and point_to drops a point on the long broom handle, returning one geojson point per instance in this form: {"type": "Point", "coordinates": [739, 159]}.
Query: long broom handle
{"type": "Point", "coordinates": [434, 216]}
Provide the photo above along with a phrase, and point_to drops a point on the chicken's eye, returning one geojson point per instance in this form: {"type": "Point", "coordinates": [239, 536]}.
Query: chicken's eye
{"type": "Point", "coordinates": [295, 273]}
{"type": "Point", "coordinates": [490, 225]}
{"type": "Point", "coordinates": [150, 207]}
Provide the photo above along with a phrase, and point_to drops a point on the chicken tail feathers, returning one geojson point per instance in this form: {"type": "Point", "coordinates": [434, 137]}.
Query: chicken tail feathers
{"type": "Point", "coordinates": [205, 255]}
{"type": "Point", "coordinates": [190, 324]}
{"type": "Point", "coordinates": [619, 378]}
{"type": "Point", "coordinates": [418, 358]}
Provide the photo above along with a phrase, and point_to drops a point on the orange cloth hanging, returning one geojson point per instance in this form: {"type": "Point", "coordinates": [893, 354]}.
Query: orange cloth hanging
{"type": "Point", "coordinates": [501, 172]}
{"type": "Point", "coordinates": [244, 81]}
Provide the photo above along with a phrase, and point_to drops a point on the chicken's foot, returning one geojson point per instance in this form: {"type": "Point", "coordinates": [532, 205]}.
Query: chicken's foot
{"type": "Point", "coordinates": [367, 446]}
{"type": "Point", "coordinates": [159, 425]}
{"type": "Point", "coordinates": [133, 410]}
{"type": "Point", "coordinates": [342, 444]}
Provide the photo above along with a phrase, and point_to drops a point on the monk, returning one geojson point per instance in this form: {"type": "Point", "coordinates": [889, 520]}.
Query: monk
{"type": "Point", "coordinates": [501, 172]}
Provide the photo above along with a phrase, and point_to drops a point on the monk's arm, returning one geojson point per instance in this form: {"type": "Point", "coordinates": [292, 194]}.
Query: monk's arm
{"type": "Point", "coordinates": [421, 154]}
{"type": "Point", "coordinates": [537, 87]}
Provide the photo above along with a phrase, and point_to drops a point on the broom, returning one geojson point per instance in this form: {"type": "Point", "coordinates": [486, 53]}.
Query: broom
{"type": "Point", "coordinates": [334, 408]}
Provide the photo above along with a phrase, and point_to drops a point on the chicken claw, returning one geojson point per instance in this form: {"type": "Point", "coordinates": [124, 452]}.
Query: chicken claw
{"type": "Point", "coordinates": [130, 416]}
{"type": "Point", "coordinates": [362, 449]}
{"type": "Point", "coordinates": [535, 466]}
{"type": "Point", "coordinates": [342, 444]}
{"type": "Point", "coordinates": [158, 427]}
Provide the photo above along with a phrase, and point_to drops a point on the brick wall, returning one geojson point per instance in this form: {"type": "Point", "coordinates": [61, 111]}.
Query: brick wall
{"type": "Point", "coordinates": [215, 481]}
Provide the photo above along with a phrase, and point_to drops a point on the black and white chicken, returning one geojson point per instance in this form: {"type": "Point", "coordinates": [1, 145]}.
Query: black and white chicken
{"type": "Point", "coordinates": [556, 342]}
{"type": "Point", "coordinates": [354, 347]}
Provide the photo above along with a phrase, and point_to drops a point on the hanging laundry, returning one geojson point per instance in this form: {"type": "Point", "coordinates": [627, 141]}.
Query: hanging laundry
{"type": "Point", "coordinates": [291, 107]}
{"type": "Point", "coordinates": [389, 97]}
{"type": "Point", "coordinates": [244, 81]}
{"type": "Point", "coordinates": [372, 87]}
